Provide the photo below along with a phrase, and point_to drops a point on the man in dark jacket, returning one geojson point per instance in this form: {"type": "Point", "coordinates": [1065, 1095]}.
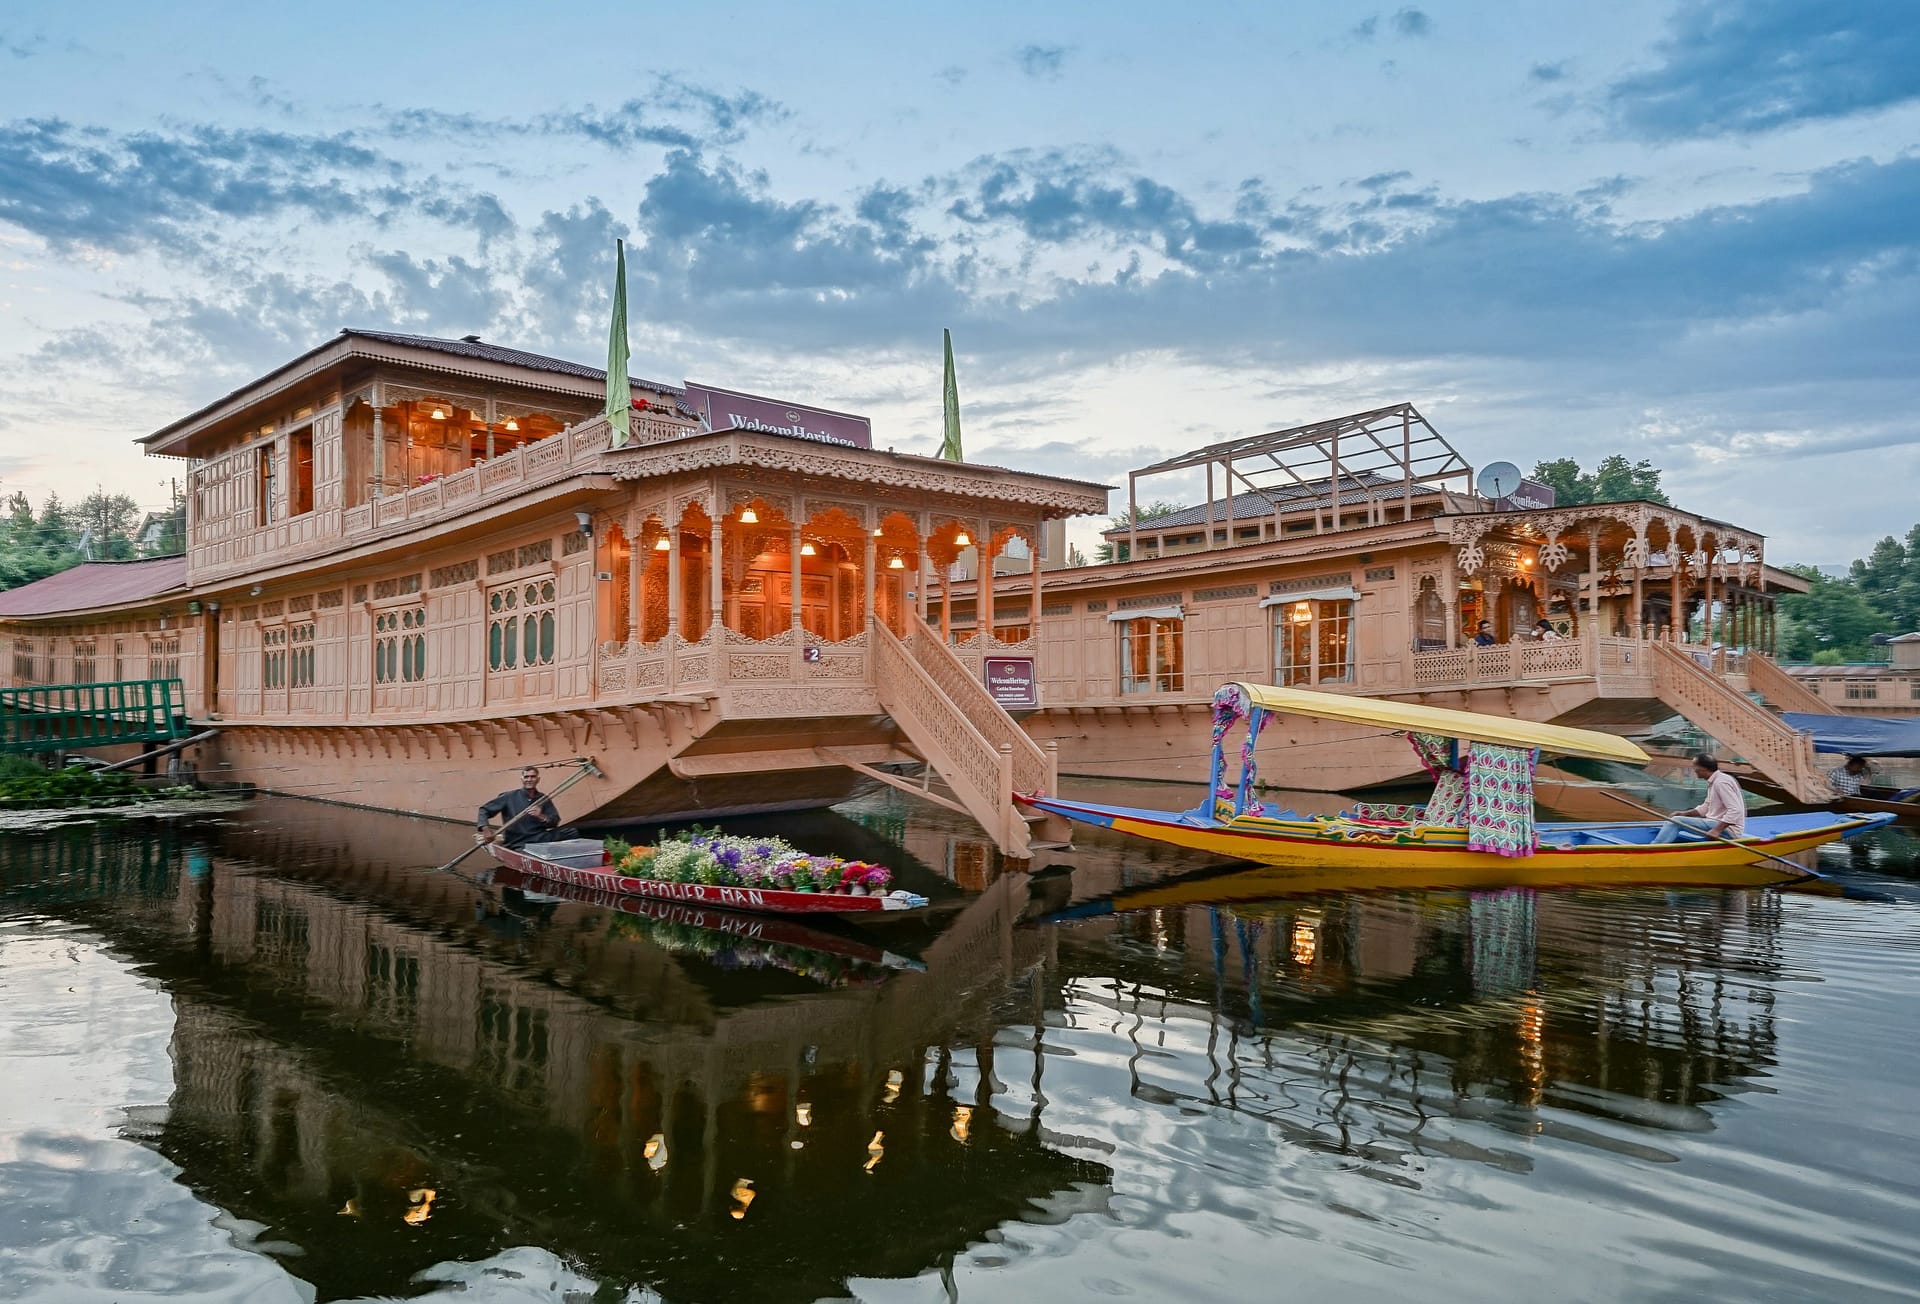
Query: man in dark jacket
{"type": "Point", "coordinates": [540, 825]}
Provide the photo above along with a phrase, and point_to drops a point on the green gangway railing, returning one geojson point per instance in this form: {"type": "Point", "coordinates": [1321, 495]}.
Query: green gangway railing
{"type": "Point", "coordinates": [67, 717]}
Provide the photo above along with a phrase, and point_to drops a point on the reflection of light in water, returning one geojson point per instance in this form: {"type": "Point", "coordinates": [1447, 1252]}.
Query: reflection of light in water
{"type": "Point", "coordinates": [962, 1122]}
{"type": "Point", "coordinates": [894, 1080]}
{"type": "Point", "coordinates": [742, 1197]}
{"type": "Point", "coordinates": [803, 1114]}
{"type": "Point", "coordinates": [422, 1201]}
{"type": "Point", "coordinates": [874, 1151]}
{"type": "Point", "coordinates": [1305, 941]}
{"type": "Point", "coordinates": [1159, 931]}
{"type": "Point", "coordinates": [655, 1151]}
{"type": "Point", "coordinates": [351, 1209]}
{"type": "Point", "coordinates": [1533, 1058]}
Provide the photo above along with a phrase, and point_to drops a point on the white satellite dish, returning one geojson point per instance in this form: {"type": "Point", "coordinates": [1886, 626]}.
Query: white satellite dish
{"type": "Point", "coordinates": [1498, 480]}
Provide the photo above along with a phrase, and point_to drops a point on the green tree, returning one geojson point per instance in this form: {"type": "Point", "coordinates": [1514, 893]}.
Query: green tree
{"type": "Point", "coordinates": [173, 528]}
{"type": "Point", "coordinates": [1614, 480]}
{"type": "Point", "coordinates": [1116, 550]}
{"type": "Point", "coordinates": [34, 545]}
{"type": "Point", "coordinates": [1833, 616]}
{"type": "Point", "coordinates": [1889, 576]}
{"type": "Point", "coordinates": [109, 520]}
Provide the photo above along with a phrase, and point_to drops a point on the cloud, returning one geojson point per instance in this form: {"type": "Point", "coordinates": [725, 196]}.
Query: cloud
{"type": "Point", "coordinates": [1412, 22]}
{"type": "Point", "coordinates": [1548, 72]}
{"type": "Point", "coordinates": [674, 114]}
{"type": "Point", "coordinates": [69, 184]}
{"type": "Point", "coordinates": [951, 75]}
{"type": "Point", "coordinates": [1042, 62]}
{"type": "Point", "coordinates": [22, 47]}
{"type": "Point", "coordinates": [1736, 67]}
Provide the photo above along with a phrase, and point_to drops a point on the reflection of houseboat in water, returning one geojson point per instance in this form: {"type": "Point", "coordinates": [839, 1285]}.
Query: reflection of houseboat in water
{"type": "Point", "coordinates": [415, 563]}
{"type": "Point", "coordinates": [349, 1032]}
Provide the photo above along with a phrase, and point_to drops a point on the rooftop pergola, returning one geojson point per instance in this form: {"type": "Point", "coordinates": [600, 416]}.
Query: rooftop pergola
{"type": "Point", "coordinates": [1393, 450]}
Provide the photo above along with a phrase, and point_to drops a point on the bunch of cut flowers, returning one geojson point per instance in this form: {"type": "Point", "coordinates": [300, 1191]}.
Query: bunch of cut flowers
{"type": "Point", "coordinates": [707, 856]}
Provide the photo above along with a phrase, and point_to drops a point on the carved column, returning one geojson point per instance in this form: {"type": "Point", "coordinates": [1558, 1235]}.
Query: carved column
{"type": "Point", "coordinates": [716, 579]}
{"type": "Point", "coordinates": [794, 578]}
{"type": "Point", "coordinates": [985, 602]}
{"type": "Point", "coordinates": [1450, 595]}
{"type": "Point", "coordinates": [636, 580]}
{"type": "Point", "coordinates": [1035, 581]}
{"type": "Point", "coordinates": [1593, 573]}
{"type": "Point", "coordinates": [674, 580]}
{"type": "Point", "coordinates": [872, 578]}
{"type": "Point", "coordinates": [922, 569]}
{"type": "Point", "coordinates": [1637, 626]}
{"type": "Point", "coordinates": [379, 449]}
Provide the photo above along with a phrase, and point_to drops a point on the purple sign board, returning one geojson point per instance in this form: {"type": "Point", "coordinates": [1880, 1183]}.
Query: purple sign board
{"type": "Point", "coordinates": [726, 410]}
{"type": "Point", "coordinates": [1530, 495]}
{"type": "Point", "coordinates": [1011, 681]}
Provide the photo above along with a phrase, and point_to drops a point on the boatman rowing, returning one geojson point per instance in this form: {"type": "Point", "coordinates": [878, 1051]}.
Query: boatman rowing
{"type": "Point", "coordinates": [1722, 815]}
{"type": "Point", "coordinates": [540, 824]}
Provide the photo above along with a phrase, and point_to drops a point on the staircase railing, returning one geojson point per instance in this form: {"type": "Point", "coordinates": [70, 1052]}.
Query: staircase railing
{"type": "Point", "coordinates": [942, 729]}
{"type": "Point", "coordinates": [1033, 767]}
{"type": "Point", "coordinates": [1781, 689]}
{"type": "Point", "coordinates": [1738, 723]}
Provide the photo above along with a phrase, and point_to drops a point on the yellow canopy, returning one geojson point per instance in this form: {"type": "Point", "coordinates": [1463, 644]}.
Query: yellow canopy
{"type": "Point", "coordinates": [1469, 726]}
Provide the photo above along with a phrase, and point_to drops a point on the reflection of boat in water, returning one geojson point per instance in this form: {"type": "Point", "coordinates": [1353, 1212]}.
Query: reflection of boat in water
{"type": "Point", "coordinates": [1479, 828]}
{"type": "Point", "coordinates": [731, 939]}
{"type": "Point", "coordinates": [597, 876]}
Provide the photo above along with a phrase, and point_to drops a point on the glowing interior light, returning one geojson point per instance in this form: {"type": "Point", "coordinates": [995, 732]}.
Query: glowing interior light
{"type": "Point", "coordinates": [439, 414]}
{"type": "Point", "coordinates": [749, 517]}
{"type": "Point", "coordinates": [896, 564]}
{"type": "Point", "coordinates": [663, 544]}
{"type": "Point", "coordinates": [512, 424]}
{"type": "Point", "coordinates": [807, 550]}
{"type": "Point", "coordinates": [963, 540]}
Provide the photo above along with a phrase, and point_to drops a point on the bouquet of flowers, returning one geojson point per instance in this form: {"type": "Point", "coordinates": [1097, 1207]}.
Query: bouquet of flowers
{"type": "Point", "coordinates": [718, 860]}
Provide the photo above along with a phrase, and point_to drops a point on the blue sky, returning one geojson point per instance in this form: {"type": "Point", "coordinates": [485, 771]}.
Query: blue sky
{"type": "Point", "coordinates": [1680, 231]}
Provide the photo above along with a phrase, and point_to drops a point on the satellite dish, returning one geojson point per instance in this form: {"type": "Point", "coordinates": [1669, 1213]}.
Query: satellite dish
{"type": "Point", "coordinates": [1498, 480]}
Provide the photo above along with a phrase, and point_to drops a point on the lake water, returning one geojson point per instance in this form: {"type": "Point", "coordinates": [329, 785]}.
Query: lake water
{"type": "Point", "coordinates": [270, 1058]}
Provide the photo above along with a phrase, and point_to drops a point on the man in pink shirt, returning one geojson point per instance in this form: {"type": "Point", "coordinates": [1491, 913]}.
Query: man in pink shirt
{"type": "Point", "coordinates": [1722, 815]}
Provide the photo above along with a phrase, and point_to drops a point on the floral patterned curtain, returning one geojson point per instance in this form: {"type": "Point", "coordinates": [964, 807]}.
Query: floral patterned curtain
{"type": "Point", "coordinates": [1499, 805]}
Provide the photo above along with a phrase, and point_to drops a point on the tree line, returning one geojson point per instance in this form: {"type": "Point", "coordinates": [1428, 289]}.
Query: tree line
{"type": "Point", "coordinates": [36, 543]}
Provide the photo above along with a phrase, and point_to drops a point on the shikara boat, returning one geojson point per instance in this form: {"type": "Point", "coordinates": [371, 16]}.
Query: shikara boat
{"type": "Point", "coordinates": [760, 929]}
{"type": "Point", "coordinates": [574, 864]}
{"type": "Point", "coordinates": [1478, 831]}
{"type": "Point", "coordinates": [1853, 735]}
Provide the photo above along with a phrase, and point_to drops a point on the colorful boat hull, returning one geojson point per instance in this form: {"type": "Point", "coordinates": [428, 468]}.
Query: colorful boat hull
{"type": "Point", "coordinates": [751, 900]}
{"type": "Point", "coordinates": [1331, 854]}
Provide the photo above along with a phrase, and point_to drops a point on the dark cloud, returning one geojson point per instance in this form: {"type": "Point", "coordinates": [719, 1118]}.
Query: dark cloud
{"type": "Point", "coordinates": [1732, 67]}
{"type": "Point", "coordinates": [1412, 22]}
{"type": "Point", "coordinates": [675, 114]}
{"type": "Point", "coordinates": [22, 47]}
{"type": "Point", "coordinates": [1548, 72]}
{"type": "Point", "coordinates": [1041, 61]}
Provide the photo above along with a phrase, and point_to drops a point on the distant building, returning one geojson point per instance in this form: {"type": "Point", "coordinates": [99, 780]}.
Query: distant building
{"type": "Point", "coordinates": [1869, 688]}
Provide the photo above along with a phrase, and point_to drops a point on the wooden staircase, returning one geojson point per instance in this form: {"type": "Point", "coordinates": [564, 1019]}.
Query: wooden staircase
{"type": "Point", "coordinates": [1737, 722]}
{"type": "Point", "coordinates": [981, 754]}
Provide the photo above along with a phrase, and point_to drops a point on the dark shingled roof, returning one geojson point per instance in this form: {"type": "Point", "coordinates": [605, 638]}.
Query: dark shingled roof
{"type": "Point", "coordinates": [96, 584]}
{"type": "Point", "coordinates": [1363, 487]}
{"type": "Point", "coordinates": [481, 351]}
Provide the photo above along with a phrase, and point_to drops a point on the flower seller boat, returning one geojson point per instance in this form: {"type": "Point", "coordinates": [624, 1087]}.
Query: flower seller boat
{"type": "Point", "coordinates": [757, 875]}
{"type": "Point", "coordinates": [1478, 828]}
{"type": "Point", "coordinates": [734, 939]}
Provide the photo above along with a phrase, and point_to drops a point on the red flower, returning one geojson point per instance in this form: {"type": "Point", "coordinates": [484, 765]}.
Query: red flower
{"type": "Point", "coordinates": [640, 405]}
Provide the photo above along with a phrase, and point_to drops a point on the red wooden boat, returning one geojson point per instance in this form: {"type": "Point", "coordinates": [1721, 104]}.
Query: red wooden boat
{"type": "Point", "coordinates": [754, 900]}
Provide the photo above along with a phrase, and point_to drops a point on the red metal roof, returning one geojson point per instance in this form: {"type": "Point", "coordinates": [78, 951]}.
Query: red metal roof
{"type": "Point", "coordinates": [96, 584]}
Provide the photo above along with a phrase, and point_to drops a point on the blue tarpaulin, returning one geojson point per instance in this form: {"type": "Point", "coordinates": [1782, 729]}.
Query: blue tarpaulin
{"type": "Point", "coordinates": [1858, 735]}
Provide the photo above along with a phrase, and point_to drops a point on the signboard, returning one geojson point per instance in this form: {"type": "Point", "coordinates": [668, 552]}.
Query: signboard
{"type": "Point", "coordinates": [1529, 496]}
{"type": "Point", "coordinates": [1012, 683]}
{"type": "Point", "coordinates": [725, 410]}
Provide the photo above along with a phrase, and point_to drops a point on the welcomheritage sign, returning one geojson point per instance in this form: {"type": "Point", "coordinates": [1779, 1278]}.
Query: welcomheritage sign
{"type": "Point", "coordinates": [724, 409]}
{"type": "Point", "coordinates": [1528, 496]}
{"type": "Point", "coordinates": [1011, 681]}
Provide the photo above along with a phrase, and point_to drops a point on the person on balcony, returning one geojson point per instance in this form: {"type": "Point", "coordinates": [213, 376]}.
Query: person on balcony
{"type": "Point", "coordinates": [1484, 636]}
{"type": "Point", "coordinates": [1544, 632]}
{"type": "Point", "coordinates": [542, 824]}
{"type": "Point", "coordinates": [1847, 780]}
{"type": "Point", "coordinates": [1721, 816]}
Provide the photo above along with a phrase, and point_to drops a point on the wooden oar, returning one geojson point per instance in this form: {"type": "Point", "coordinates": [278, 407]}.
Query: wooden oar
{"type": "Point", "coordinates": [587, 767]}
{"type": "Point", "coordinates": [1801, 871]}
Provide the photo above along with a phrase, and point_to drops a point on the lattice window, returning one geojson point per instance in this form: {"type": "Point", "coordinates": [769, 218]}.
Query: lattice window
{"type": "Point", "coordinates": [395, 586]}
{"type": "Point", "coordinates": [359, 593]}
{"type": "Point", "coordinates": [163, 657]}
{"type": "Point", "coordinates": [1313, 642]}
{"type": "Point", "coordinates": [23, 656]}
{"type": "Point", "coordinates": [520, 625]}
{"type": "Point", "coordinates": [532, 554]}
{"type": "Point", "coordinates": [83, 662]}
{"type": "Point", "coordinates": [571, 542]}
{"type": "Point", "coordinates": [300, 655]}
{"type": "Point", "coordinates": [330, 600]}
{"type": "Point", "coordinates": [400, 646]}
{"type": "Point", "coordinates": [499, 563]}
{"type": "Point", "coordinates": [462, 572]}
{"type": "Point", "coordinates": [1862, 690]}
{"type": "Point", "coordinates": [268, 610]}
{"type": "Point", "coordinates": [273, 657]}
{"type": "Point", "coordinates": [300, 602]}
{"type": "Point", "coordinates": [250, 612]}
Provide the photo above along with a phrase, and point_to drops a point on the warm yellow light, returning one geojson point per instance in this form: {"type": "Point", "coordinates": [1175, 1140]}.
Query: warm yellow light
{"type": "Point", "coordinates": [663, 544]}
{"type": "Point", "coordinates": [803, 1113]}
{"type": "Point", "coordinates": [749, 517]}
{"type": "Point", "coordinates": [512, 424]}
{"type": "Point", "coordinates": [1302, 612]}
{"type": "Point", "coordinates": [807, 550]}
{"type": "Point", "coordinates": [351, 1209]}
{"type": "Point", "coordinates": [963, 540]}
{"type": "Point", "coordinates": [896, 564]}
{"type": "Point", "coordinates": [1305, 942]}
{"type": "Point", "coordinates": [875, 1149]}
{"type": "Point", "coordinates": [962, 1122]}
{"type": "Point", "coordinates": [655, 1151]}
{"type": "Point", "coordinates": [1526, 563]}
{"type": "Point", "coordinates": [422, 1210]}
{"type": "Point", "coordinates": [894, 1079]}
{"type": "Point", "coordinates": [439, 414]}
{"type": "Point", "coordinates": [743, 1197]}
{"type": "Point", "coordinates": [876, 531]}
